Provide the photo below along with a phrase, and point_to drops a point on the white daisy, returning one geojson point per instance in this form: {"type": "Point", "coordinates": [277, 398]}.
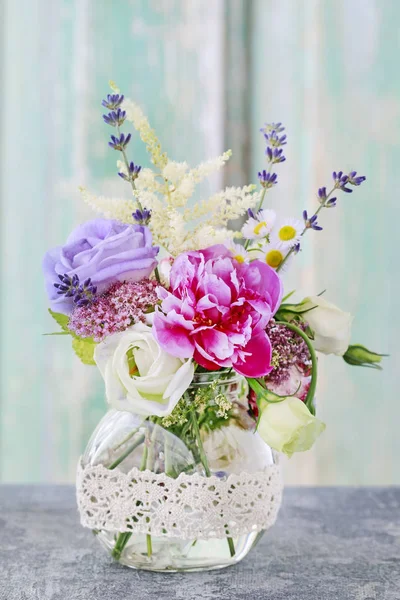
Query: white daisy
{"type": "Point", "coordinates": [273, 255]}
{"type": "Point", "coordinates": [260, 226]}
{"type": "Point", "coordinates": [238, 251]}
{"type": "Point", "coordinates": [287, 232]}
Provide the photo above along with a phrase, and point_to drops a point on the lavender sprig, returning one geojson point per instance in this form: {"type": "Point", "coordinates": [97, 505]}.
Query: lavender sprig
{"type": "Point", "coordinates": [142, 217]}
{"type": "Point", "coordinates": [119, 142]}
{"type": "Point", "coordinates": [311, 223]}
{"type": "Point", "coordinates": [270, 127]}
{"type": "Point", "coordinates": [133, 172]}
{"type": "Point", "coordinates": [82, 294]}
{"type": "Point", "coordinates": [267, 180]}
{"type": "Point", "coordinates": [113, 101]}
{"type": "Point", "coordinates": [274, 139]}
{"type": "Point", "coordinates": [341, 183]}
{"type": "Point", "coordinates": [115, 118]}
{"type": "Point", "coordinates": [275, 155]}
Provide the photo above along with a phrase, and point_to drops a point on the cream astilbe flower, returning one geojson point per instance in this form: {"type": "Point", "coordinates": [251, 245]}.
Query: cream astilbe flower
{"type": "Point", "coordinates": [225, 205]}
{"type": "Point", "coordinates": [140, 122]}
{"type": "Point", "coordinates": [207, 168]}
{"type": "Point", "coordinates": [206, 236]}
{"type": "Point", "coordinates": [112, 208]}
{"type": "Point", "coordinates": [175, 171]}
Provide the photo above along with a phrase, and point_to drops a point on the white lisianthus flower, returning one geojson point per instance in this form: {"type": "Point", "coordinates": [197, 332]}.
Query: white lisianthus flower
{"type": "Point", "coordinates": [331, 326]}
{"type": "Point", "coordinates": [288, 426]}
{"type": "Point", "coordinates": [139, 376]}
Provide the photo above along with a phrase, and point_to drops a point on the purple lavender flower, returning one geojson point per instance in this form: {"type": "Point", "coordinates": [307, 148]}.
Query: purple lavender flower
{"type": "Point", "coordinates": [115, 118]}
{"type": "Point", "coordinates": [113, 101]}
{"type": "Point", "coordinates": [296, 248]}
{"type": "Point", "coordinates": [119, 143]}
{"type": "Point", "coordinates": [269, 127]}
{"type": "Point", "coordinates": [133, 174]}
{"type": "Point", "coordinates": [275, 140]}
{"type": "Point", "coordinates": [322, 195]}
{"type": "Point", "coordinates": [251, 213]}
{"type": "Point", "coordinates": [340, 181]}
{"type": "Point", "coordinates": [353, 180]}
{"type": "Point", "coordinates": [275, 155]}
{"type": "Point", "coordinates": [142, 217]}
{"type": "Point", "coordinates": [331, 203]}
{"type": "Point", "coordinates": [267, 180]}
{"type": "Point", "coordinates": [311, 223]}
{"type": "Point", "coordinates": [70, 287]}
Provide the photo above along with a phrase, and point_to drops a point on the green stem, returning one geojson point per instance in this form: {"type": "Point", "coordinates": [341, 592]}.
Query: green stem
{"type": "Point", "coordinates": [203, 458]}
{"type": "Point", "coordinates": [309, 402]}
{"type": "Point", "coordinates": [258, 209]}
{"type": "Point", "coordinates": [231, 546]}
{"type": "Point", "coordinates": [144, 459]}
{"type": "Point", "coordinates": [167, 458]}
{"type": "Point", "coordinates": [127, 438]}
{"type": "Point", "coordinates": [151, 450]}
{"type": "Point", "coordinates": [140, 207]}
{"type": "Point", "coordinates": [149, 545]}
{"type": "Point", "coordinates": [120, 544]}
{"type": "Point", "coordinates": [157, 274]}
{"type": "Point", "coordinates": [200, 447]}
{"type": "Point", "coordinates": [262, 197]}
{"type": "Point", "coordinates": [130, 449]}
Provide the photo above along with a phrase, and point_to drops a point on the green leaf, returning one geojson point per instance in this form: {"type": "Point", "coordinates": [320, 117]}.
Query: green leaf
{"type": "Point", "coordinates": [84, 349]}
{"type": "Point", "coordinates": [61, 319]}
{"type": "Point", "coordinates": [288, 296]}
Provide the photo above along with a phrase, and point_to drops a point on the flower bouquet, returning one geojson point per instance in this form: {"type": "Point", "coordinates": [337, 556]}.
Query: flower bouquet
{"type": "Point", "coordinates": [210, 372]}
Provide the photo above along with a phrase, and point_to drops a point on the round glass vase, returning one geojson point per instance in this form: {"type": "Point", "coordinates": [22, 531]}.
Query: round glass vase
{"type": "Point", "coordinates": [144, 470]}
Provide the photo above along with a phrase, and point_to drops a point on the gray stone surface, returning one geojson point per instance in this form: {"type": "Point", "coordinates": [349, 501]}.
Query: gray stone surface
{"type": "Point", "coordinates": [328, 544]}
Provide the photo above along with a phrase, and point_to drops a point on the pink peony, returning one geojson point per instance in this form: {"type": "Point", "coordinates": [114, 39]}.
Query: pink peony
{"type": "Point", "coordinates": [217, 310]}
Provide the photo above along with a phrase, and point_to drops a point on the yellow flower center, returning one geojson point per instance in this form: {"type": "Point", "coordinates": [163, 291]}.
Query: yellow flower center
{"type": "Point", "coordinates": [274, 258]}
{"type": "Point", "coordinates": [287, 233]}
{"type": "Point", "coordinates": [239, 258]}
{"type": "Point", "coordinates": [258, 227]}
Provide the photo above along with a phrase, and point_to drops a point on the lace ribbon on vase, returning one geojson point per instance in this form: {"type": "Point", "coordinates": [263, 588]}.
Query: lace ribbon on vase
{"type": "Point", "coordinates": [189, 507]}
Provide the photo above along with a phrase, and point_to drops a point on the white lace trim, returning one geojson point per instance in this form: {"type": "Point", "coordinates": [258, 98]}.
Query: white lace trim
{"type": "Point", "coordinates": [189, 507]}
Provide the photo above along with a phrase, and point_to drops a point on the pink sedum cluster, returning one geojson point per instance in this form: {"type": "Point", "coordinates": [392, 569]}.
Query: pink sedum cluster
{"type": "Point", "coordinates": [217, 310]}
{"type": "Point", "coordinates": [122, 305]}
{"type": "Point", "coordinates": [293, 368]}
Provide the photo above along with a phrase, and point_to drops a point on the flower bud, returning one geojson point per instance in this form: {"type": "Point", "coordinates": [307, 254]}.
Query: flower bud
{"type": "Point", "coordinates": [360, 356]}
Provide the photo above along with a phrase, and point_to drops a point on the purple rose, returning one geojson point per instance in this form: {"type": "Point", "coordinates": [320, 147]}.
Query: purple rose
{"type": "Point", "coordinates": [104, 250]}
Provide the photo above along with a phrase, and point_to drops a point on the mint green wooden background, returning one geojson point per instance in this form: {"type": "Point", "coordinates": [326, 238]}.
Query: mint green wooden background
{"type": "Point", "coordinates": [208, 74]}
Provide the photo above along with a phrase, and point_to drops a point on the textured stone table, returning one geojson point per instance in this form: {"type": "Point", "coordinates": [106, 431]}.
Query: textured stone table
{"type": "Point", "coordinates": [328, 544]}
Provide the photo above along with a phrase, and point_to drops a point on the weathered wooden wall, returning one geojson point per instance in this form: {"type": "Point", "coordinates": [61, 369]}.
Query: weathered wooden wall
{"type": "Point", "coordinates": [208, 75]}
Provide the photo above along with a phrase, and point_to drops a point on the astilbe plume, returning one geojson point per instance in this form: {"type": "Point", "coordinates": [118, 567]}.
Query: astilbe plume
{"type": "Point", "coordinates": [122, 305]}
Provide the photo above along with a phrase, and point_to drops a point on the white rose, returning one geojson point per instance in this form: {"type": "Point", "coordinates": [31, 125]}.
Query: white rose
{"type": "Point", "coordinates": [159, 381]}
{"type": "Point", "coordinates": [331, 326]}
{"type": "Point", "coordinates": [288, 426]}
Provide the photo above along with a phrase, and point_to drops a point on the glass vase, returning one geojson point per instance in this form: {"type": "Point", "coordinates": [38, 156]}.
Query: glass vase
{"type": "Point", "coordinates": [188, 492]}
